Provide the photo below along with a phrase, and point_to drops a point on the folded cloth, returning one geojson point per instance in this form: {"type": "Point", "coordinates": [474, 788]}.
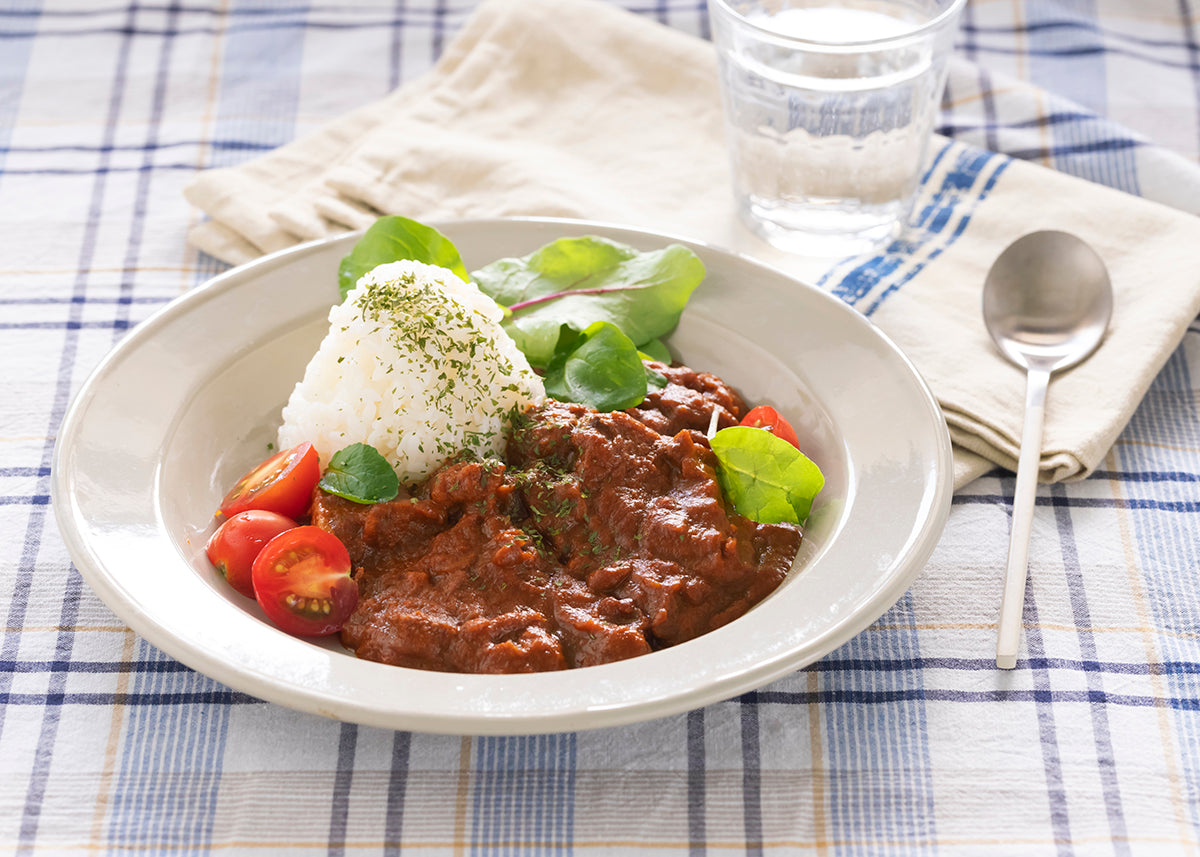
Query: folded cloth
{"type": "Point", "coordinates": [580, 109]}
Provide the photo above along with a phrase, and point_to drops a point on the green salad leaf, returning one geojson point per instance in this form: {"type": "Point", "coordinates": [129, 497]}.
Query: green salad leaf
{"type": "Point", "coordinates": [579, 281]}
{"type": "Point", "coordinates": [558, 291]}
{"type": "Point", "coordinates": [361, 474]}
{"type": "Point", "coordinates": [656, 349]}
{"type": "Point", "coordinates": [392, 239]}
{"type": "Point", "coordinates": [765, 478]}
{"type": "Point", "coordinates": [599, 367]}
{"type": "Point", "coordinates": [655, 380]}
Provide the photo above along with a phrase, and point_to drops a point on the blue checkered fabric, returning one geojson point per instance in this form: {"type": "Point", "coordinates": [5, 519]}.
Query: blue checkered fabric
{"type": "Point", "coordinates": [906, 740]}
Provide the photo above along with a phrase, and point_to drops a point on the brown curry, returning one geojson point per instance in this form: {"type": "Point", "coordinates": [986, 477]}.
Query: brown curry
{"type": "Point", "coordinates": [601, 536]}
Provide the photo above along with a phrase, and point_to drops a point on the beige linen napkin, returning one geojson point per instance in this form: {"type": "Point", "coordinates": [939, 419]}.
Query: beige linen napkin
{"type": "Point", "coordinates": [576, 108]}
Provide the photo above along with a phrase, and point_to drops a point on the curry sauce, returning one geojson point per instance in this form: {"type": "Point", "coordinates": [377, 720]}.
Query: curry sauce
{"type": "Point", "coordinates": [598, 537]}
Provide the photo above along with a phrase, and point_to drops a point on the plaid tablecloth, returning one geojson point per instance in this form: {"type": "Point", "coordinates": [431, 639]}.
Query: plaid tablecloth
{"type": "Point", "coordinates": [906, 740]}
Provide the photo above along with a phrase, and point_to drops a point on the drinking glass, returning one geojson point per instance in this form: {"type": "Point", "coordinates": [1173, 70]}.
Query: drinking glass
{"type": "Point", "coordinates": [829, 109]}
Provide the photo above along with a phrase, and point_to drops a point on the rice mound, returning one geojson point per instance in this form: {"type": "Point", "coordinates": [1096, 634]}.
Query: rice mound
{"type": "Point", "coordinates": [415, 364]}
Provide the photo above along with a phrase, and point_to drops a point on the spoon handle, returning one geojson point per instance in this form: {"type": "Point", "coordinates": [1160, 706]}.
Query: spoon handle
{"type": "Point", "coordinates": [1024, 499]}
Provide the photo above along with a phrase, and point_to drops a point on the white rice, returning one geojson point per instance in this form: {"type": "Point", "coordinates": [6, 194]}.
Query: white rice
{"type": "Point", "coordinates": [416, 365]}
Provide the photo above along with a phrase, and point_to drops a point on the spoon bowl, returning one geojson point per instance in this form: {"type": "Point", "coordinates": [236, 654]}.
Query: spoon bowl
{"type": "Point", "coordinates": [1047, 301]}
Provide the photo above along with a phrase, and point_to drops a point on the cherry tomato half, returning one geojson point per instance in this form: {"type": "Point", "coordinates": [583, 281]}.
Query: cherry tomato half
{"type": "Point", "coordinates": [235, 544]}
{"type": "Point", "coordinates": [283, 483]}
{"type": "Point", "coordinates": [766, 417]}
{"type": "Point", "coordinates": [302, 582]}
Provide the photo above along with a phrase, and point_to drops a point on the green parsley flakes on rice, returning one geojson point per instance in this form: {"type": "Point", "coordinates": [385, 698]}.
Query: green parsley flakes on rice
{"type": "Point", "coordinates": [416, 365]}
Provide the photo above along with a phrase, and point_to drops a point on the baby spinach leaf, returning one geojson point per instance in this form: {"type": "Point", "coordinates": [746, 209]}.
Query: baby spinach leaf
{"type": "Point", "coordinates": [392, 239]}
{"type": "Point", "coordinates": [361, 474]}
{"type": "Point", "coordinates": [578, 281]}
{"type": "Point", "coordinates": [765, 478]}
{"type": "Point", "coordinates": [599, 367]}
{"type": "Point", "coordinates": [656, 349]}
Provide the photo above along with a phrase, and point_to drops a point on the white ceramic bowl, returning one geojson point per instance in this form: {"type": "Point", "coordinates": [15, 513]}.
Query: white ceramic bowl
{"type": "Point", "coordinates": [189, 400]}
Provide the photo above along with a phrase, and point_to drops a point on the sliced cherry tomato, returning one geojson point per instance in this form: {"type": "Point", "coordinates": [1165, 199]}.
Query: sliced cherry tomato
{"type": "Point", "coordinates": [302, 582]}
{"type": "Point", "coordinates": [283, 483]}
{"type": "Point", "coordinates": [766, 417]}
{"type": "Point", "coordinates": [235, 544]}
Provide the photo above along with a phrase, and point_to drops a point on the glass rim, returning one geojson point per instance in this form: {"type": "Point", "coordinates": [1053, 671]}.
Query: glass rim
{"type": "Point", "coordinates": [937, 22]}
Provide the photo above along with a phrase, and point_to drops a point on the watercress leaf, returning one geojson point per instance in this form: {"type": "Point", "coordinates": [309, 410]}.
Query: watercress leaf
{"type": "Point", "coordinates": [567, 339]}
{"type": "Point", "coordinates": [582, 280]}
{"type": "Point", "coordinates": [599, 367]}
{"type": "Point", "coordinates": [656, 349]}
{"type": "Point", "coordinates": [361, 474]}
{"type": "Point", "coordinates": [765, 478]}
{"type": "Point", "coordinates": [392, 239]}
{"type": "Point", "coordinates": [655, 380]}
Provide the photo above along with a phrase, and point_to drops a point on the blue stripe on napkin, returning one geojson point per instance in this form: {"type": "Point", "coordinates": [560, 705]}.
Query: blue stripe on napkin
{"type": "Point", "coordinates": [957, 181]}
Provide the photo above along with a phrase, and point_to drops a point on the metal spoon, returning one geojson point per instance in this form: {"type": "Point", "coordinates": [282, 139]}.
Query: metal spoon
{"type": "Point", "coordinates": [1046, 302]}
